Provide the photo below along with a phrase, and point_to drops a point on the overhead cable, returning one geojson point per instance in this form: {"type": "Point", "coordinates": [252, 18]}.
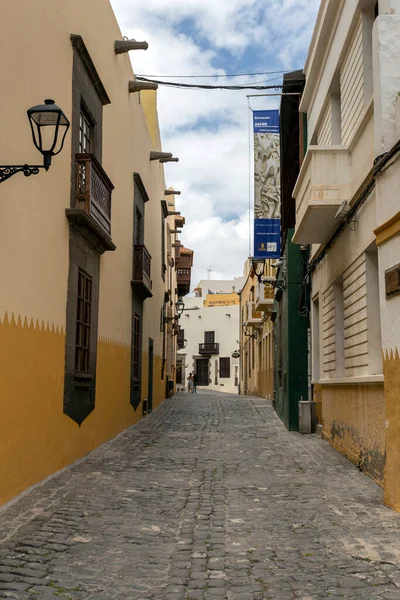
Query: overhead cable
{"type": "Point", "coordinates": [249, 86]}
{"type": "Point", "coordinates": [210, 76]}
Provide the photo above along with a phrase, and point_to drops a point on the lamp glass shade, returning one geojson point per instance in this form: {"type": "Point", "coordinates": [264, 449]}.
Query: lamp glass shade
{"type": "Point", "coordinates": [179, 307]}
{"type": "Point", "coordinates": [49, 126]}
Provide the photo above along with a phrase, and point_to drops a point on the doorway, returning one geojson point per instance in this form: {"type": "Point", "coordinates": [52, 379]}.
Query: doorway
{"type": "Point", "coordinates": [150, 383]}
{"type": "Point", "coordinates": [202, 371]}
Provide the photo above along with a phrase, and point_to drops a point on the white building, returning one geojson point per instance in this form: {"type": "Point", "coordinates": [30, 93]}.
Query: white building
{"type": "Point", "coordinates": [347, 210]}
{"type": "Point", "coordinates": [208, 337]}
{"type": "Point", "coordinates": [219, 286]}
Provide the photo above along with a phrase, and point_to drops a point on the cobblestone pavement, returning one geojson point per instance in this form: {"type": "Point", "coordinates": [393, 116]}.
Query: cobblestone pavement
{"type": "Point", "coordinates": [208, 498]}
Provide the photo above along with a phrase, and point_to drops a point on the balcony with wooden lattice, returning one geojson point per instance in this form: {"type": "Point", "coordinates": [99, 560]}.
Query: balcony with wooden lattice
{"type": "Point", "coordinates": [141, 282]}
{"type": "Point", "coordinates": [92, 212]}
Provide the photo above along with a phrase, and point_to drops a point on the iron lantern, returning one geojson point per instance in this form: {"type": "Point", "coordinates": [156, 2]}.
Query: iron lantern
{"type": "Point", "coordinates": [179, 307]}
{"type": "Point", "coordinates": [49, 126]}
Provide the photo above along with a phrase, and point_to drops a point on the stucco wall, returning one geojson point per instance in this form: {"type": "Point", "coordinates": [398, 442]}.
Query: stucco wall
{"type": "Point", "coordinates": [36, 438]}
{"type": "Point", "coordinates": [226, 328]}
{"type": "Point", "coordinates": [354, 423]}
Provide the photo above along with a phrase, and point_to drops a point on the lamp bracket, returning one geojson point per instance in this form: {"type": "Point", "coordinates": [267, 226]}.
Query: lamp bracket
{"type": "Point", "coordinates": [279, 284]}
{"type": "Point", "coordinates": [7, 171]}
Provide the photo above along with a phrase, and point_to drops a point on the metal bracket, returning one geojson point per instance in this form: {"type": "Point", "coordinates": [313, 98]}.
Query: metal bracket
{"type": "Point", "coordinates": [279, 284]}
{"type": "Point", "coordinates": [7, 171]}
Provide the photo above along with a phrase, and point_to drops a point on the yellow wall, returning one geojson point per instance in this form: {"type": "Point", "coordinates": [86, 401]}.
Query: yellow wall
{"type": "Point", "coordinates": [354, 423]}
{"type": "Point", "coordinates": [391, 369]}
{"type": "Point", "coordinates": [260, 379]}
{"type": "Point", "coordinates": [221, 299]}
{"type": "Point", "coordinates": [36, 438]}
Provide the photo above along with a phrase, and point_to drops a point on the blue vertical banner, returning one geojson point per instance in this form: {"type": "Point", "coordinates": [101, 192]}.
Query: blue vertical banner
{"type": "Point", "coordinates": [267, 193]}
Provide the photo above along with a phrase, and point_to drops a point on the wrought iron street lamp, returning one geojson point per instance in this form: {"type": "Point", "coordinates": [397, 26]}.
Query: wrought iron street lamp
{"type": "Point", "coordinates": [179, 308]}
{"type": "Point", "coordinates": [49, 126]}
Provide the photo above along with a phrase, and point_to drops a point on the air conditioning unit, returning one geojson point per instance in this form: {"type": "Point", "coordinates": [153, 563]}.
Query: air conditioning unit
{"type": "Point", "coordinates": [307, 416]}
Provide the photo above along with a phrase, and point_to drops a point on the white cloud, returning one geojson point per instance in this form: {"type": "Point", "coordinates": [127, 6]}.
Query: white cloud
{"type": "Point", "coordinates": [209, 130]}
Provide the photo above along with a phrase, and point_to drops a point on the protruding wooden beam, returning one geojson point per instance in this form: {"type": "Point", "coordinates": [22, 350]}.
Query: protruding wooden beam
{"type": "Point", "coordinates": [172, 159]}
{"type": "Point", "coordinates": [172, 193]}
{"type": "Point", "coordinates": [138, 86]}
{"type": "Point", "coordinates": [122, 46]}
{"type": "Point", "coordinates": [159, 155]}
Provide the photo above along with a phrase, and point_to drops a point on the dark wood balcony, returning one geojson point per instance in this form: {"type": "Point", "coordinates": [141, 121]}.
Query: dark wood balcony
{"type": "Point", "coordinates": [92, 212]}
{"type": "Point", "coordinates": [209, 348]}
{"type": "Point", "coordinates": [183, 281]}
{"type": "Point", "coordinates": [141, 282]}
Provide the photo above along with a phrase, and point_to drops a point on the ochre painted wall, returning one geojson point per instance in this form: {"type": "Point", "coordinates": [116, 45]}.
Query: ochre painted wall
{"type": "Point", "coordinates": [265, 383]}
{"type": "Point", "coordinates": [317, 398]}
{"type": "Point", "coordinates": [391, 369]}
{"type": "Point", "coordinates": [36, 438]}
{"type": "Point", "coordinates": [354, 423]}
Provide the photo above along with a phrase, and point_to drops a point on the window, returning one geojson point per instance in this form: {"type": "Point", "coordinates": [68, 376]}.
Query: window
{"type": "Point", "coordinates": [209, 337]}
{"type": "Point", "coordinates": [82, 343]}
{"type": "Point", "coordinates": [163, 264]}
{"type": "Point", "coordinates": [138, 228]}
{"type": "Point", "coordinates": [224, 367]}
{"type": "Point", "coordinates": [136, 347]}
{"type": "Point", "coordinates": [181, 338]}
{"type": "Point", "coordinates": [85, 134]}
{"type": "Point", "coordinates": [315, 330]}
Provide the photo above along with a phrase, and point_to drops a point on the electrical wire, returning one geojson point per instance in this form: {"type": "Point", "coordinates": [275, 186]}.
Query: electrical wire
{"type": "Point", "coordinates": [381, 163]}
{"type": "Point", "coordinates": [176, 84]}
{"type": "Point", "coordinates": [250, 156]}
{"type": "Point", "coordinates": [210, 76]}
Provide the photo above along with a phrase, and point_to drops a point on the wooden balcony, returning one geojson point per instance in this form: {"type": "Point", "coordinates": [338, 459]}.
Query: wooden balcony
{"type": "Point", "coordinates": [141, 282]}
{"type": "Point", "coordinates": [209, 348]}
{"type": "Point", "coordinates": [92, 213]}
{"type": "Point", "coordinates": [183, 281]}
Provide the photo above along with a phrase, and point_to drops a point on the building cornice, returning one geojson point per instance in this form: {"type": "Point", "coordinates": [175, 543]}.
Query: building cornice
{"type": "Point", "coordinates": [388, 230]}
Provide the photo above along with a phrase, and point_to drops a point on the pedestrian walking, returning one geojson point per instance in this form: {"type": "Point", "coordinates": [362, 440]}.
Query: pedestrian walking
{"type": "Point", "coordinates": [190, 383]}
{"type": "Point", "coordinates": [195, 383]}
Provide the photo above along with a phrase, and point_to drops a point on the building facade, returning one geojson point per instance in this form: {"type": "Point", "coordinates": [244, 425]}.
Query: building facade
{"type": "Point", "coordinates": [291, 312]}
{"type": "Point", "coordinates": [257, 331]}
{"type": "Point", "coordinates": [345, 212]}
{"type": "Point", "coordinates": [84, 279]}
{"type": "Point", "coordinates": [208, 337]}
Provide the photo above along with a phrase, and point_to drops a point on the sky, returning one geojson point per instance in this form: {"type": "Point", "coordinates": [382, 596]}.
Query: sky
{"type": "Point", "coordinates": [210, 130]}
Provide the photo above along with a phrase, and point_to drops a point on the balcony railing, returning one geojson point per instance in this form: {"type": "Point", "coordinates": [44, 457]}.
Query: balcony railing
{"type": "Point", "coordinates": [264, 298]}
{"type": "Point", "coordinates": [254, 317]}
{"type": "Point", "coordinates": [93, 190]}
{"type": "Point", "coordinates": [183, 281]}
{"type": "Point", "coordinates": [324, 182]}
{"type": "Point", "coordinates": [142, 271]}
{"type": "Point", "coordinates": [209, 348]}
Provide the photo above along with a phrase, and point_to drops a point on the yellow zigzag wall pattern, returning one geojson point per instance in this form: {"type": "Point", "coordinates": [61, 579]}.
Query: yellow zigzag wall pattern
{"type": "Point", "coordinates": [36, 438]}
{"type": "Point", "coordinates": [391, 371]}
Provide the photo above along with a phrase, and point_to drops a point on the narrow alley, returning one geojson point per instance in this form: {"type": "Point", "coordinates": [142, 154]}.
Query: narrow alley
{"type": "Point", "coordinates": [210, 497]}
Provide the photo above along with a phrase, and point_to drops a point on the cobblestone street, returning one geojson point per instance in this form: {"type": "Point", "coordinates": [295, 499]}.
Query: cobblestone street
{"type": "Point", "coordinates": [207, 498]}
